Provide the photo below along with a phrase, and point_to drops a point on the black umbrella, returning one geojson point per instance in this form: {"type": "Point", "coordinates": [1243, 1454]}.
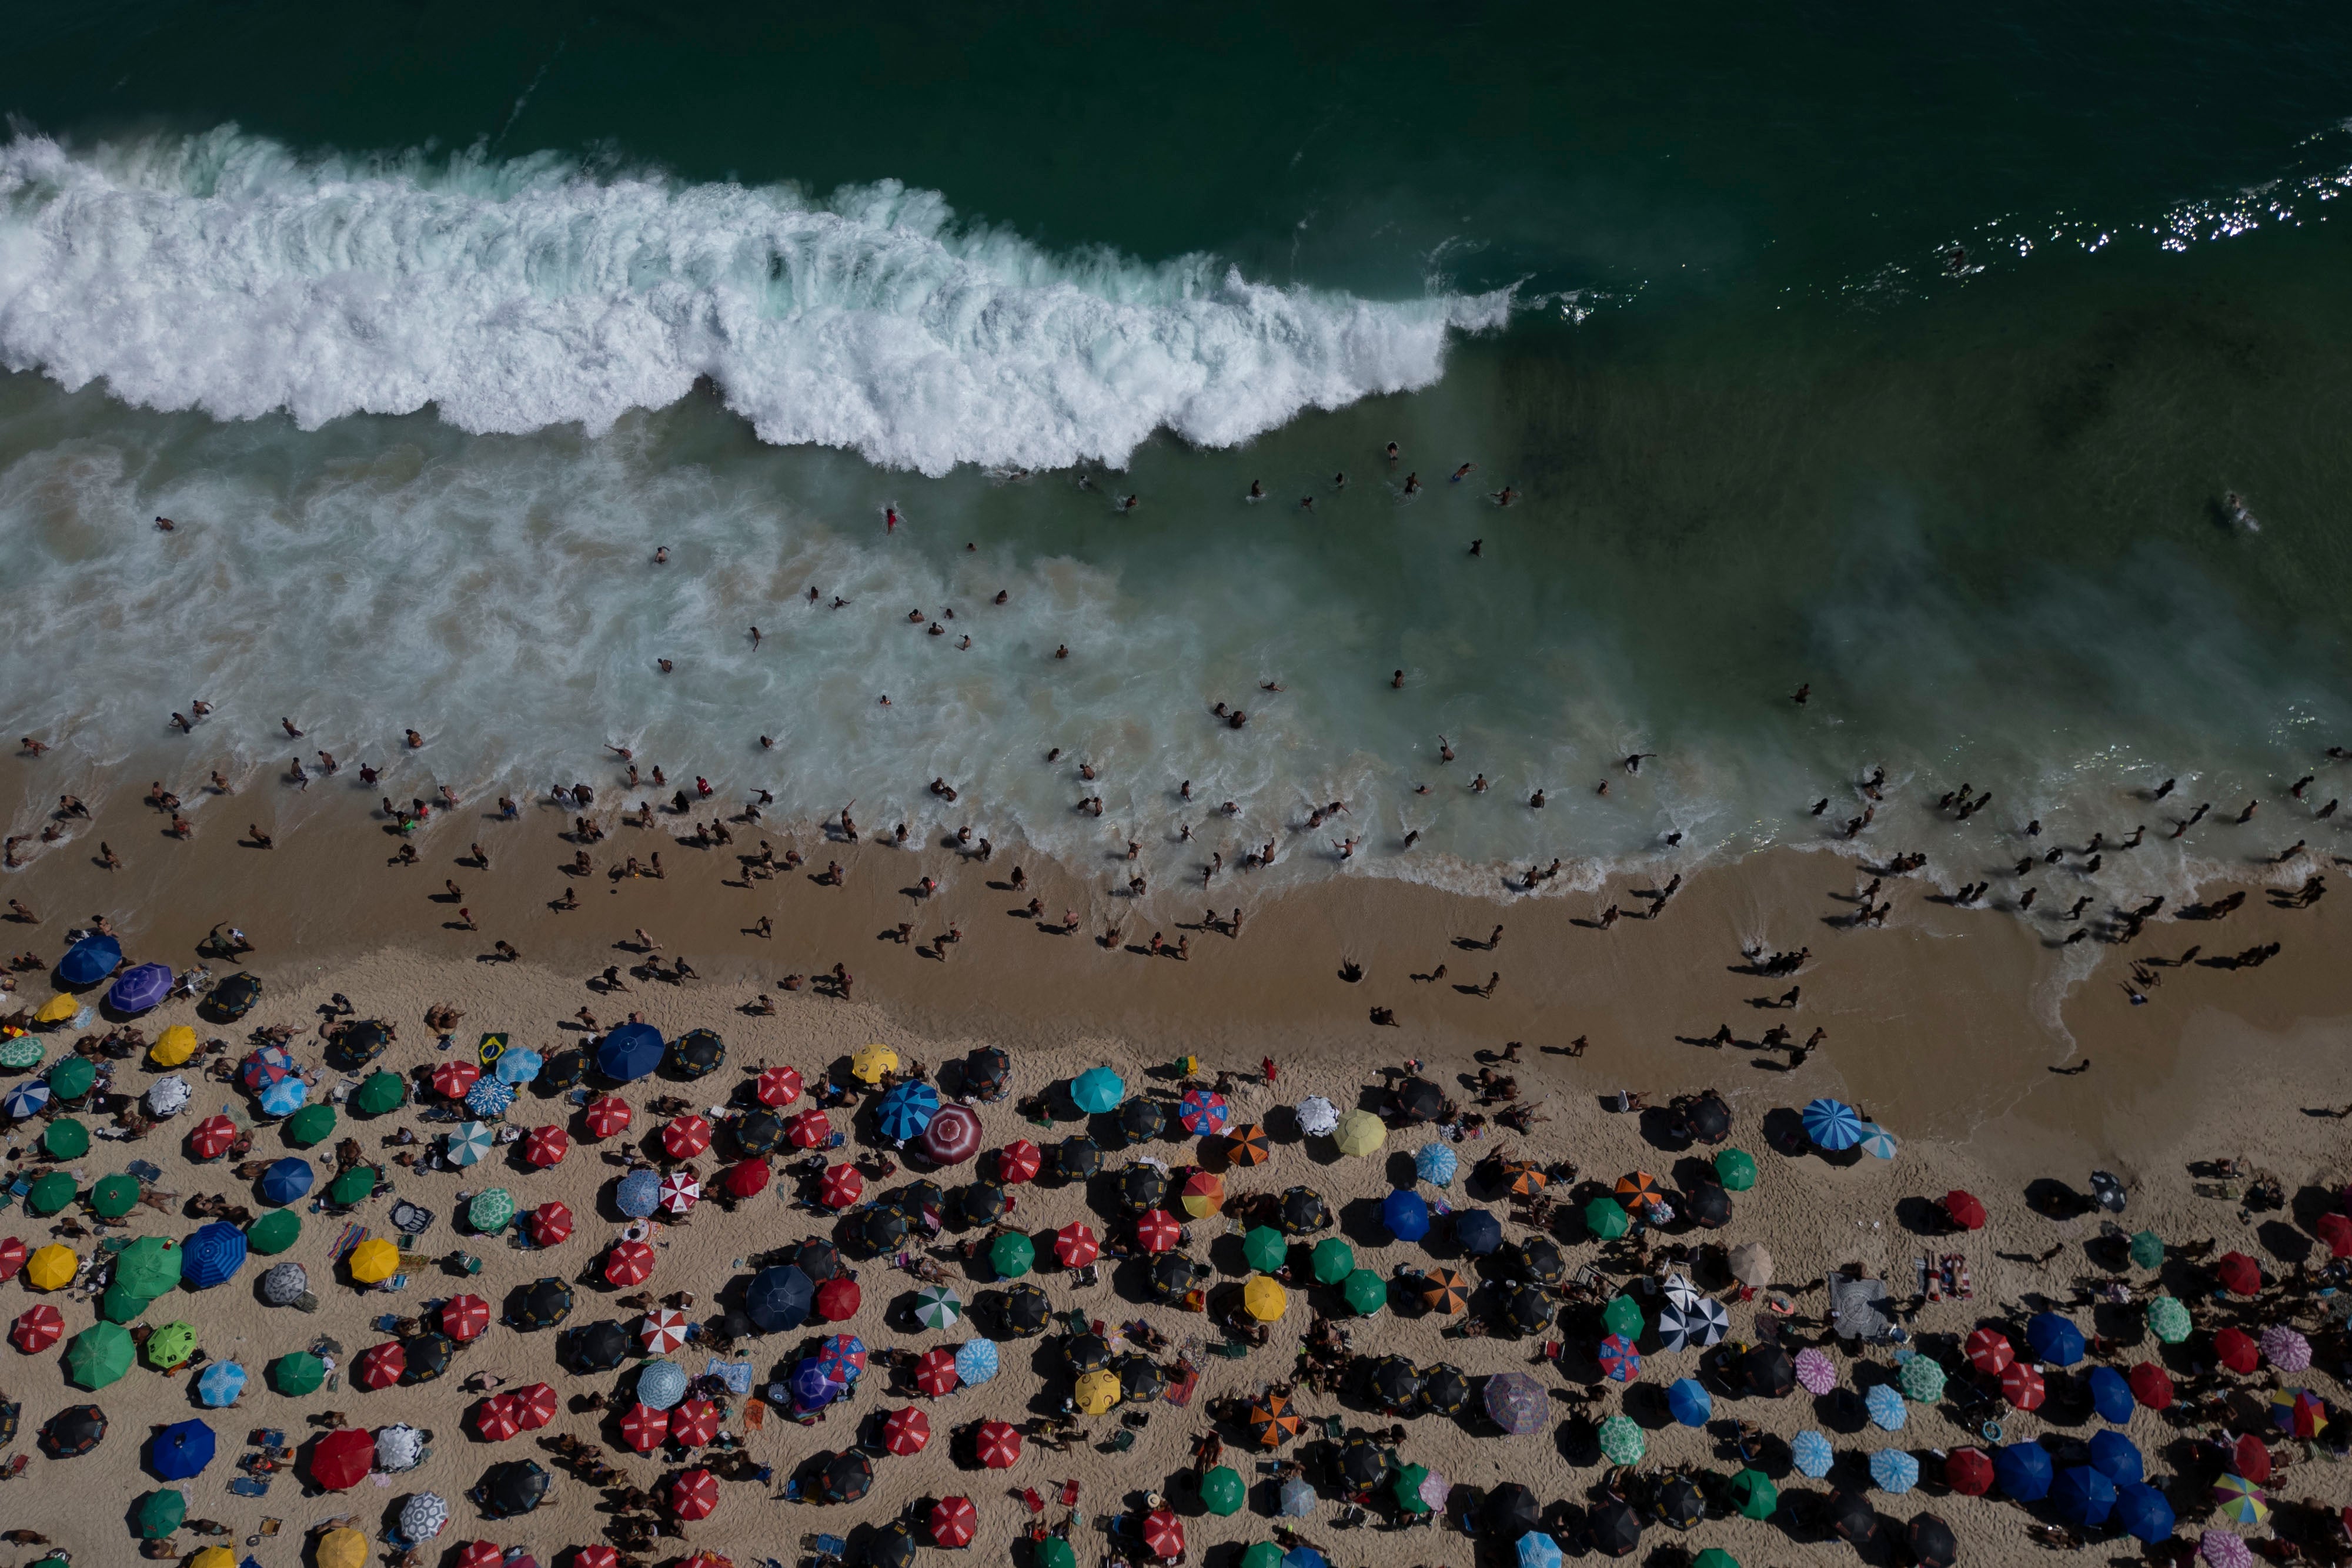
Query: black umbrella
{"type": "Point", "coordinates": [778, 1299]}
{"type": "Point", "coordinates": [513, 1487]}
{"type": "Point", "coordinates": [1769, 1372]}
{"type": "Point", "coordinates": [1931, 1542]}
{"type": "Point", "coordinates": [1511, 1511]}
{"type": "Point", "coordinates": [545, 1303]}
{"type": "Point", "coordinates": [1709, 1204]}
{"type": "Point", "coordinates": [1419, 1099]}
{"type": "Point", "coordinates": [1143, 1120]}
{"type": "Point", "coordinates": [987, 1073]}
{"type": "Point", "coordinates": [1538, 1259]}
{"type": "Point", "coordinates": [1616, 1528]}
{"type": "Point", "coordinates": [848, 1476]}
{"type": "Point", "coordinates": [696, 1053]}
{"type": "Point", "coordinates": [918, 1198]}
{"type": "Point", "coordinates": [73, 1431]}
{"type": "Point", "coordinates": [1085, 1353]}
{"type": "Point", "coordinates": [1140, 1377]}
{"type": "Point", "coordinates": [233, 998]}
{"type": "Point", "coordinates": [1024, 1312]}
{"type": "Point", "coordinates": [1852, 1518]}
{"type": "Point", "coordinates": [881, 1229]}
{"type": "Point", "coordinates": [985, 1201]}
{"type": "Point", "coordinates": [1444, 1390]}
{"type": "Point", "coordinates": [892, 1547]}
{"type": "Point", "coordinates": [359, 1043]}
{"type": "Point", "coordinates": [600, 1347]}
{"type": "Point", "coordinates": [1303, 1211]}
{"type": "Point", "coordinates": [1364, 1463]}
{"type": "Point", "coordinates": [1527, 1310]}
{"type": "Point", "coordinates": [1142, 1186]}
{"type": "Point", "coordinates": [1077, 1158]}
{"type": "Point", "coordinates": [1396, 1383]}
{"type": "Point", "coordinates": [818, 1258]}
{"type": "Point", "coordinates": [1710, 1118]}
{"type": "Point", "coordinates": [428, 1358]}
{"type": "Point", "coordinates": [1172, 1274]}
{"type": "Point", "coordinates": [1679, 1503]}
{"type": "Point", "coordinates": [564, 1070]}
{"type": "Point", "coordinates": [759, 1132]}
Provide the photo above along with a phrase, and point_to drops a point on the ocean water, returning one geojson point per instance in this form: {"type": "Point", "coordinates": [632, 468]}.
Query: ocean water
{"type": "Point", "coordinates": [1908, 360]}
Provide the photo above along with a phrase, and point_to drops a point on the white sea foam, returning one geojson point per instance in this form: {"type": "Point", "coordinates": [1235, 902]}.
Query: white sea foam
{"type": "Point", "coordinates": [222, 271]}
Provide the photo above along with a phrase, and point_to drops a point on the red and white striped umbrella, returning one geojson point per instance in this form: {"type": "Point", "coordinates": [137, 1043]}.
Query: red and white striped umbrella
{"type": "Point", "coordinates": [953, 1522]}
{"type": "Point", "coordinates": [679, 1193]}
{"type": "Point", "coordinates": [935, 1373]}
{"type": "Point", "coordinates": [606, 1114]}
{"type": "Point", "coordinates": [534, 1407]}
{"type": "Point", "coordinates": [694, 1423]}
{"type": "Point", "coordinates": [778, 1086]}
{"type": "Point", "coordinates": [464, 1317]}
{"type": "Point", "coordinates": [39, 1327]}
{"type": "Point", "coordinates": [645, 1427]}
{"type": "Point", "coordinates": [1157, 1230]}
{"type": "Point", "coordinates": [545, 1146]}
{"type": "Point", "coordinates": [452, 1079]}
{"type": "Point", "coordinates": [1075, 1246]}
{"type": "Point", "coordinates": [494, 1418]}
{"type": "Point", "coordinates": [686, 1137]}
{"type": "Point", "coordinates": [1163, 1535]}
{"type": "Point", "coordinates": [809, 1130]}
{"type": "Point", "coordinates": [550, 1222]}
{"type": "Point", "coordinates": [1018, 1161]}
{"type": "Point", "coordinates": [210, 1138]}
{"type": "Point", "coordinates": [662, 1331]}
{"type": "Point", "coordinates": [998, 1445]}
{"type": "Point", "coordinates": [907, 1431]}
{"type": "Point", "coordinates": [841, 1185]}
{"type": "Point", "coordinates": [629, 1263]}
{"type": "Point", "coordinates": [952, 1137]}
{"type": "Point", "coordinates": [694, 1494]}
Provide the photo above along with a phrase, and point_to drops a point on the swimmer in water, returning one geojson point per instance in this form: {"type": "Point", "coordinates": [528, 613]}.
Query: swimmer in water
{"type": "Point", "coordinates": [1257, 491]}
{"type": "Point", "coordinates": [889, 520]}
{"type": "Point", "coordinates": [1462, 473]}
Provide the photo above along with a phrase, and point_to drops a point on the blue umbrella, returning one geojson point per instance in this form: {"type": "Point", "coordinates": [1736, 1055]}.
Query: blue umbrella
{"type": "Point", "coordinates": [842, 1356]}
{"type": "Point", "coordinates": [2111, 1396]}
{"type": "Point", "coordinates": [179, 1450]}
{"type": "Point", "coordinates": [2143, 1512]}
{"type": "Point", "coordinates": [1435, 1164]}
{"type": "Point", "coordinates": [489, 1097]}
{"type": "Point", "coordinates": [2053, 1339]}
{"type": "Point", "coordinates": [1894, 1470]}
{"type": "Point", "coordinates": [629, 1052]}
{"type": "Point", "coordinates": [26, 1099]}
{"type": "Point", "coordinates": [779, 1298]}
{"type": "Point", "coordinates": [1811, 1454]}
{"type": "Point", "coordinates": [637, 1194]}
{"type": "Point", "coordinates": [285, 1180]}
{"type": "Point", "coordinates": [2117, 1457]}
{"type": "Point", "coordinates": [976, 1360]}
{"type": "Point", "coordinates": [284, 1097]}
{"type": "Point", "coordinates": [907, 1110]}
{"type": "Point", "coordinates": [1405, 1215]}
{"type": "Point", "coordinates": [1097, 1090]}
{"type": "Point", "coordinates": [1537, 1549]}
{"type": "Point", "coordinates": [2082, 1496]}
{"type": "Point", "coordinates": [811, 1389]}
{"type": "Point", "coordinates": [518, 1064]}
{"type": "Point", "coordinates": [141, 988]}
{"type": "Point", "coordinates": [219, 1384]}
{"type": "Point", "coordinates": [1688, 1402]}
{"type": "Point", "coordinates": [2024, 1470]}
{"type": "Point", "coordinates": [1298, 1498]}
{"type": "Point", "coordinates": [1832, 1124]}
{"type": "Point", "coordinates": [660, 1383]}
{"type": "Point", "coordinates": [1476, 1231]}
{"type": "Point", "coordinates": [1885, 1403]}
{"type": "Point", "coordinates": [90, 960]}
{"type": "Point", "coordinates": [1305, 1557]}
{"type": "Point", "coordinates": [210, 1256]}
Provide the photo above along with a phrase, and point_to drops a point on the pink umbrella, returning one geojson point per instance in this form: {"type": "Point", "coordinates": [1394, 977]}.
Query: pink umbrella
{"type": "Point", "coordinates": [1816, 1372]}
{"type": "Point", "coordinates": [2223, 1549]}
{"type": "Point", "coordinates": [2285, 1349]}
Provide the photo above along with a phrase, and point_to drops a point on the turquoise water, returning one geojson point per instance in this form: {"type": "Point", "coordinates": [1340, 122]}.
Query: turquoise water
{"type": "Point", "coordinates": [1909, 358]}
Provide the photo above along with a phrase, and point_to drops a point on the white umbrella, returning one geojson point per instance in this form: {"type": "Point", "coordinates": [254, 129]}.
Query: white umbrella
{"type": "Point", "coordinates": [1751, 1265]}
{"type": "Point", "coordinates": [1680, 1292]}
{"type": "Point", "coordinates": [168, 1096]}
{"type": "Point", "coordinates": [1697, 1320]}
{"type": "Point", "coordinates": [1316, 1115]}
{"type": "Point", "coordinates": [398, 1448]}
{"type": "Point", "coordinates": [422, 1516]}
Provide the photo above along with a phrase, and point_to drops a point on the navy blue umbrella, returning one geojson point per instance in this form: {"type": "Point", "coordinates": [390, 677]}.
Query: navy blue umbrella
{"type": "Point", "coordinates": [2024, 1470]}
{"type": "Point", "coordinates": [2053, 1339]}
{"type": "Point", "coordinates": [1405, 1214]}
{"type": "Point", "coordinates": [1477, 1231]}
{"type": "Point", "coordinates": [779, 1298]}
{"type": "Point", "coordinates": [2111, 1396]}
{"type": "Point", "coordinates": [629, 1052]}
{"type": "Point", "coordinates": [2117, 1458]}
{"type": "Point", "coordinates": [2083, 1496]}
{"type": "Point", "coordinates": [90, 960]}
{"type": "Point", "coordinates": [2143, 1511]}
{"type": "Point", "coordinates": [141, 988]}
{"type": "Point", "coordinates": [181, 1450]}
{"type": "Point", "coordinates": [285, 1180]}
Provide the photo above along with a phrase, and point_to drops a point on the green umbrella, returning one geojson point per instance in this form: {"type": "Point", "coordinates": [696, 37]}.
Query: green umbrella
{"type": "Point", "coordinates": [274, 1232]}
{"type": "Point", "coordinates": [1922, 1379]}
{"type": "Point", "coordinates": [1715, 1557]}
{"type": "Point", "coordinates": [2146, 1251]}
{"type": "Point", "coordinates": [121, 1306]}
{"type": "Point", "coordinates": [1753, 1493]}
{"type": "Point", "coordinates": [67, 1139]}
{"type": "Point", "coordinates": [1054, 1553]}
{"type": "Point", "coordinates": [1222, 1491]}
{"type": "Point", "coordinates": [297, 1372]}
{"type": "Point", "coordinates": [1264, 1249]}
{"type": "Point", "coordinates": [1264, 1554]}
{"type": "Point", "coordinates": [360, 1180]}
{"type": "Point", "coordinates": [71, 1078]}
{"type": "Point", "coordinates": [2168, 1320]}
{"type": "Point", "coordinates": [937, 1307]}
{"type": "Point", "coordinates": [160, 1513]}
{"type": "Point", "coordinates": [1408, 1489]}
{"type": "Point", "coordinates": [492, 1210]}
{"type": "Point", "coordinates": [382, 1093]}
{"type": "Point", "coordinates": [170, 1345]}
{"type": "Point", "coordinates": [1607, 1218]}
{"type": "Point", "coordinates": [1334, 1260]}
{"type": "Point", "coordinates": [20, 1050]}
{"type": "Point", "coordinates": [1366, 1291]}
{"type": "Point", "coordinates": [99, 1354]}
{"type": "Point", "coordinates": [51, 1193]}
{"type": "Point", "coordinates": [147, 1267]}
{"type": "Point", "coordinates": [116, 1194]}
{"type": "Point", "coordinates": [1011, 1255]}
{"type": "Point", "coordinates": [1622, 1316]}
{"type": "Point", "coordinates": [1735, 1169]}
{"type": "Point", "coordinates": [310, 1124]}
{"type": "Point", "coordinates": [1621, 1441]}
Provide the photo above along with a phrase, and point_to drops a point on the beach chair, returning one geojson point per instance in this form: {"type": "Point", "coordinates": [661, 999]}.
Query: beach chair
{"type": "Point", "coordinates": [825, 1548]}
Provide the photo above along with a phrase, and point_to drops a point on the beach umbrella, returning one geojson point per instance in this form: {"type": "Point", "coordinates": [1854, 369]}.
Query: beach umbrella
{"type": "Point", "coordinates": [1708, 1206]}
{"type": "Point", "coordinates": [1832, 1124]}
{"type": "Point", "coordinates": [453, 1079]}
{"type": "Point", "coordinates": [872, 1063]}
{"type": "Point", "coordinates": [147, 1267]}
{"type": "Point", "coordinates": [139, 988]}
{"type": "Point", "coordinates": [90, 960]}
{"type": "Point", "coordinates": [1203, 1114]}
{"type": "Point", "coordinates": [1526, 1309]}
{"type": "Point", "coordinates": [628, 1263]}
{"type": "Point", "coordinates": [98, 1355]}
{"type": "Point", "coordinates": [696, 1053]}
{"type": "Point", "coordinates": [1511, 1511]}
{"type": "Point", "coordinates": [683, 1137]}
{"type": "Point", "coordinates": [644, 1429]}
{"type": "Point", "coordinates": [1142, 1186]}
{"type": "Point", "coordinates": [1969, 1472]}
{"type": "Point", "coordinates": [1156, 1231]}
{"type": "Point", "coordinates": [1964, 1209]}
{"type": "Point", "coordinates": [310, 1124]}
{"type": "Point", "coordinates": [1247, 1145]}
{"type": "Point", "coordinates": [341, 1459]}
{"type": "Point", "coordinates": [662, 1330]}
{"type": "Point", "coordinates": [2239, 1501]}
{"type": "Point", "coordinates": [1921, 1379]}
{"type": "Point", "coordinates": [374, 1261]}
{"type": "Point", "coordinates": [26, 1099]}
{"type": "Point", "coordinates": [1810, 1453]}
{"type": "Point", "coordinates": [1366, 1291]}
{"type": "Point", "coordinates": [2022, 1387]}
{"type": "Point", "coordinates": [1359, 1133]}
{"type": "Point", "coordinates": [598, 1347]}
{"type": "Point", "coordinates": [1163, 1535]}
{"type": "Point", "coordinates": [1878, 1142]}
{"type": "Point", "coordinates": [298, 1372]}
{"type": "Point", "coordinates": [429, 1356]}
{"type": "Point", "coordinates": [998, 1445]}
{"type": "Point", "coordinates": [116, 1194]}
{"type": "Point", "coordinates": [678, 1194]}
{"type": "Point", "coordinates": [1637, 1190]}
{"type": "Point", "coordinates": [262, 1068]}
{"type": "Point", "coordinates": [273, 1233]}
{"type": "Point", "coordinates": [1885, 1405]}
{"type": "Point", "coordinates": [13, 1253]}
{"type": "Point", "coordinates": [1894, 1470]}
{"type": "Point", "coordinates": [168, 1095]}
{"type": "Point", "coordinates": [606, 1114]}
{"type": "Point", "coordinates": [2111, 1395]}
{"type": "Point", "coordinates": [661, 1384]}
{"type": "Point", "coordinates": [219, 1384]}
{"type": "Point", "coordinates": [2053, 1339]}
{"type": "Point", "coordinates": [159, 1513]}
{"type": "Point", "coordinates": [1317, 1116]}
{"type": "Point", "coordinates": [513, 1487]}
{"type": "Point", "coordinates": [1264, 1299]}
{"type": "Point", "coordinates": [1396, 1383]}
{"type": "Point", "coordinates": [2150, 1385]}
{"type": "Point", "coordinates": [1606, 1219]}
{"type": "Point", "coordinates": [1272, 1421]}
{"type": "Point", "coordinates": [1852, 1519]}
{"type": "Point", "coordinates": [841, 1185]}
{"type": "Point", "coordinates": [1222, 1491]}
{"type": "Point", "coordinates": [1679, 1504]}
{"type": "Point", "coordinates": [491, 1211]}
{"type": "Point", "coordinates": [1263, 1249]}
{"type": "Point", "coordinates": [1539, 1260]}
{"type": "Point", "coordinates": [1405, 1215]}
{"type": "Point", "coordinates": [1753, 1494]}
{"type": "Point", "coordinates": [1017, 1162]}
{"type": "Point", "coordinates": [637, 1194]}
{"type": "Point", "coordinates": [210, 1138]}
{"type": "Point", "coordinates": [353, 1186]}
{"type": "Point", "coordinates": [1435, 1164]}
{"type": "Point", "coordinates": [179, 1450]}
{"type": "Point", "coordinates": [1621, 1441]}
{"type": "Point", "coordinates": [2024, 1470]}
{"type": "Point", "coordinates": [779, 1298]}
{"type": "Point", "coordinates": [778, 1086]}
{"type": "Point", "coordinates": [694, 1423]}
{"type": "Point", "coordinates": [2239, 1274]}
{"type": "Point", "coordinates": [1075, 1245]}
{"type": "Point", "coordinates": [65, 1139]}
{"type": "Point", "coordinates": [37, 1329]}
{"type": "Point", "coordinates": [1204, 1194]}
{"type": "Point", "coordinates": [1989, 1352]}
{"type": "Point", "coordinates": [534, 1407]}
{"type": "Point", "coordinates": [545, 1148]}
{"type": "Point", "coordinates": [423, 1516]}
{"type": "Point", "coordinates": [494, 1419]}
{"type": "Point", "coordinates": [975, 1360]}
{"type": "Point", "coordinates": [1444, 1290]}
{"type": "Point", "coordinates": [2237, 1350]}
{"type": "Point", "coordinates": [2334, 1228]}
{"type": "Point", "coordinates": [381, 1365]}
{"type": "Point", "coordinates": [746, 1178]}
{"type": "Point", "coordinates": [1363, 1463]}
{"type": "Point", "coordinates": [837, 1300]}
{"type": "Point", "coordinates": [953, 1136]}
{"type": "Point", "coordinates": [2117, 1458]}
{"type": "Point", "coordinates": [212, 1255]}
{"type": "Point", "coordinates": [1735, 1169]}
{"type": "Point", "coordinates": [545, 1303]}
{"type": "Point", "coordinates": [73, 1431]}
{"type": "Point", "coordinates": [71, 1078]}
{"type": "Point", "coordinates": [1408, 1485]}
{"type": "Point", "coordinates": [1695, 1322]}
{"type": "Point", "coordinates": [2298, 1411]}
{"type": "Point", "coordinates": [1536, 1549]}
{"type": "Point", "coordinates": [1614, 1527]}
{"type": "Point", "coordinates": [2285, 1349]}
{"type": "Point", "coordinates": [1816, 1372]}
{"type": "Point", "coordinates": [518, 1065]}
{"type": "Point", "coordinates": [1688, 1402]}
{"type": "Point", "coordinates": [2250, 1458]}
{"type": "Point", "coordinates": [937, 1306]}
{"type": "Point", "coordinates": [470, 1142]}
{"type": "Point", "coordinates": [953, 1522]}
{"type": "Point", "coordinates": [629, 1052]}
{"type": "Point", "coordinates": [935, 1373]}
{"type": "Point", "coordinates": [1097, 1090]}
{"type": "Point", "coordinates": [2082, 1496]}
{"type": "Point", "coordinates": [1622, 1317]}
{"type": "Point", "coordinates": [550, 1223]}
{"type": "Point", "coordinates": [2143, 1512]}
{"type": "Point", "coordinates": [907, 1110]}
{"type": "Point", "coordinates": [1077, 1158]}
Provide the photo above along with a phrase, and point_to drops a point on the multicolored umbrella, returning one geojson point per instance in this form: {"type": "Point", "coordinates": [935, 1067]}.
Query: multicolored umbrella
{"type": "Point", "coordinates": [1203, 1114]}
{"type": "Point", "coordinates": [1878, 1142]}
{"type": "Point", "coordinates": [937, 1307]}
{"type": "Point", "coordinates": [489, 1097]}
{"type": "Point", "coordinates": [1816, 1372]}
{"type": "Point", "coordinates": [1619, 1360]}
{"type": "Point", "coordinates": [1247, 1145]}
{"type": "Point", "coordinates": [2298, 1411]}
{"type": "Point", "coordinates": [2239, 1501]}
{"type": "Point", "coordinates": [470, 1142]}
{"type": "Point", "coordinates": [1517, 1403]}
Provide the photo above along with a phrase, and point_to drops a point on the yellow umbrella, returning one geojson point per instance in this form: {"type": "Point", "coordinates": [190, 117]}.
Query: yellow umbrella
{"type": "Point", "coordinates": [872, 1061]}
{"type": "Point", "coordinates": [337, 1549]}
{"type": "Point", "coordinates": [52, 1268]}
{"type": "Point", "coordinates": [1264, 1298]}
{"type": "Point", "coordinates": [216, 1557]}
{"type": "Point", "coordinates": [374, 1261]}
{"type": "Point", "coordinates": [57, 1009]}
{"type": "Point", "coordinates": [1361, 1132]}
{"type": "Point", "coordinates": [172, 1046]}
{"type": "Point", "coordinates": [1097, 1392]}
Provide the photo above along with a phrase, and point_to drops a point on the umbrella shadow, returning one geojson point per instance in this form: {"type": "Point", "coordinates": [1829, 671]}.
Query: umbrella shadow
{"type": "Point", "coordinates": [1360, 1224]}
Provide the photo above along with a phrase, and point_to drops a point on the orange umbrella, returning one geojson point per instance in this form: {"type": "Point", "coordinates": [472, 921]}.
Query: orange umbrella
{"type": "Point", "coordinates": [1204, 1195]}
{"type": "Point", "coordinates": [629, 1263]}
{"type": "Point", "coordinates": [1247, 1145]}
{"type": "Point", "coordinates": [1639, 1190]}
{"type": "Point", "coordinates": [1526, 1178]}
{"type": "Point", "coordinates": [1445, 1292]}
{"type": "Point", "coordinates": [1271, 1421]}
